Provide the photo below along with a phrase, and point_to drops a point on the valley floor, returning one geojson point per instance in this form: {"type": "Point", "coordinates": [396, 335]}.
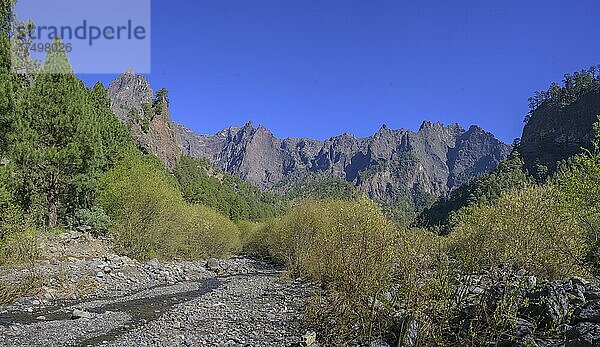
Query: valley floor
{"type": "Point", "coordinates": [115, 301]}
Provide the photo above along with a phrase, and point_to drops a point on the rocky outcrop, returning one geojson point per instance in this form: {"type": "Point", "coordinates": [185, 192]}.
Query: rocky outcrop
{"type": "Point", "coordinates": [133, 102]}
{"type": "Point", "coordinates": [433, 160]}
{"type": "Point", "coordinates": [553, 134]}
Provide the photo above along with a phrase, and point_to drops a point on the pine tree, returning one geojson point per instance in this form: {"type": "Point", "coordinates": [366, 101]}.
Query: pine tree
{"type": "Point", "coordinates": [59, 152]}
{"type": "Point", "coordinates": [7, 106]}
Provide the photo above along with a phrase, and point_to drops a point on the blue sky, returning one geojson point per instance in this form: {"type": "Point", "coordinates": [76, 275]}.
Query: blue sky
{"type": "Point", "coordinates": [320, 68]}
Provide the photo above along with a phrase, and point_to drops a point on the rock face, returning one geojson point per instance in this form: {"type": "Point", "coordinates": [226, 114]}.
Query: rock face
{"type": "Point", "coordinates": [554, 134]}
{"type": "Point", "coordinates": [433, 160]}
{"type": "Point", "coordinates": [133, 102]}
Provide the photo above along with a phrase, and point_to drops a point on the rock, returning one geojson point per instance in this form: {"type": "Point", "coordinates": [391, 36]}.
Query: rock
{"type": "Point", "coordinates": [553, 134]}
{"type": "Point", "coordinates": [83, 228]}
{"type": "Point", "coordinates": [580, 281]}
{"type": "Point", "coordinates": [592, 292]}
{"type": "Point", "coordinates": [96, 264]}
{"type": "Point", "coordinates": [154, 263]}
{"type": "Point", "coordinates": [310, 338]}
{"type": "Point", "coordinates": [589, 313]}
{"type": "Point", "coordinates": [379, 343]}
{"type": "Point", "coordinates": [130, 92]}
{"type": "Point", "coordinates": [213, 264]}
{"type": "Point", "coordinates": [531, 282]}
{"type": "Point", "coordinates": [583, 335]}
{"type": "Point", "coordinates": [78, 314]}
{"type": "Point", "coordinates": [548, 305]}
{"type": "Point", "coordinates": [523, 328]}
{"type": "Point", "coordinates": [410, 333]}
{"type": "Point", "coordinates": [576, 292]}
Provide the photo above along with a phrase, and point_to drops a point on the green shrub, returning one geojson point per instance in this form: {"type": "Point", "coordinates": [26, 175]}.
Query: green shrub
{"type": "Point", "coordinates": [19, 247]}
{"type": "Point", "coordinates": [95, 217]}
{"type": "Point", "coordinates": [523, 229]}
{"type": "Point", "coordinates": [348, 246]}
{"type": "Point", "coordinates": [151, 219]}
{"type": "Point", "coordinates": [208, 233]}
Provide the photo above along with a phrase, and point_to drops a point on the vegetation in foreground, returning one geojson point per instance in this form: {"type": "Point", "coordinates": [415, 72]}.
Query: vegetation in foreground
{"type": "Point", "coordinates": [67, 160]}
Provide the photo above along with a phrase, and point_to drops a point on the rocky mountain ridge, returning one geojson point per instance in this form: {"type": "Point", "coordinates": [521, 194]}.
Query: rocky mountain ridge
{"type": "Point", "coordinates": [433, 160]}
{"type": "Point", "coordinates": [391, 163]}
{"type": "Point", "coordinates": [149, 120]}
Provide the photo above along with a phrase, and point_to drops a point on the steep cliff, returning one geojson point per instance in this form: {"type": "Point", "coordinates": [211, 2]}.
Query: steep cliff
{"type": "Point", "coordinates": [433, 160]}
{"type": "Point", "coordinates": [556, 133]}
{"type": "Point", "coordinates": [134, 103]}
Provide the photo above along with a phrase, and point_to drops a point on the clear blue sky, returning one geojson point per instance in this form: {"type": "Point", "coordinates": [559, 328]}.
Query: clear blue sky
{"type": "Point", "coordinates": [318, 68]}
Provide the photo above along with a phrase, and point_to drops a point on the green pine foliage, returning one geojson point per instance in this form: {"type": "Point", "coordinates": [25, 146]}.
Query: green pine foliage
{"type": "Point", "coordinates": [324, 188]}
{"type": "Point", "coordinates": [560, 96]}
{"type": "Point", "coordinates": [65, 137]}
{"type": "Point", "coordinates": [202, 184]}
{"type": "Point", "coordinates": [7, 102]}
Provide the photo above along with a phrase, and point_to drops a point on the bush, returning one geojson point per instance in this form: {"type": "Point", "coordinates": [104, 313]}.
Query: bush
{"type": "Point", "coordinates": [424, 286]}
{"type": "Point", "coordinates": [95, 217]}
{"type": "Point", "coordinates": [208, 233]}
{"type": "Point", "coordinates": [348, 246]}
{"type": "Point", "coordinates": [151, 219]}
{"type": "Point", "coordinates": [524, 229]}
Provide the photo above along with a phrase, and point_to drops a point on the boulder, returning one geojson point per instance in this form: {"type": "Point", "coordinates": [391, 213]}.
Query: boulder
{"type": "Point", "coordinates": [78, 314]}
{"type": "Point", "coordinates": [583, 335]}
{"type": "Point", "coordinates": [548, 305]}
{"type": "Point", "coordinates": [213, 264]}
{"type": "Point", "coordinates": [588, 313]}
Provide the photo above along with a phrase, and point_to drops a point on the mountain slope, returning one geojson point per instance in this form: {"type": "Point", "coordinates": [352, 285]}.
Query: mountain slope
{"type": "Point", "coordinates": [134, 103]}
{"type": "Point", "coordinates": [433, 160]}
{"type": "Point", "coordinates": [556, 133]}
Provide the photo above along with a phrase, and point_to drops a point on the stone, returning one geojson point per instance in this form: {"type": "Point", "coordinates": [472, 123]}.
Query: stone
{"type": "Point", "coordinates": [310, 338]}
{"type": "Point", "coordinates": [548, 305]}
{"type": "Point", "coordinates": [96, 264]}
{"type": "Point", "coordinates": [213, 264]}
{"type": "Point", "coordinates": [589, 312]}
{"type": "Point", "coordinates": [83, 228]}
{"type": "Point", "coordinates": [583, 335]}
{"type": "Point", "coordinates": [580, 281]}
{"type": "Point", "coordinates": [80, 314]}
{"type": "Point", "coordinates": [592, 292]}
{"type": "Point", "coordinates": [576, 292]}
{"type": "Point", "coordinates": [379, 343]}
{"type": "Point", "coordinates": [523, 328]}
{"type": "Point", "coordinates": [130, 91]}
{"type": "Point", "coordinates": [154, 263]}
{"type": "Point", "coordinates": [410, 333]}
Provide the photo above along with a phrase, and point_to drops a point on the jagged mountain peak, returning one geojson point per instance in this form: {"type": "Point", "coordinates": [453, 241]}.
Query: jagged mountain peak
{"type": "Point", "coordinates": [132, 101]}
{"type": "Point", "coordinates": [434, 160]}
